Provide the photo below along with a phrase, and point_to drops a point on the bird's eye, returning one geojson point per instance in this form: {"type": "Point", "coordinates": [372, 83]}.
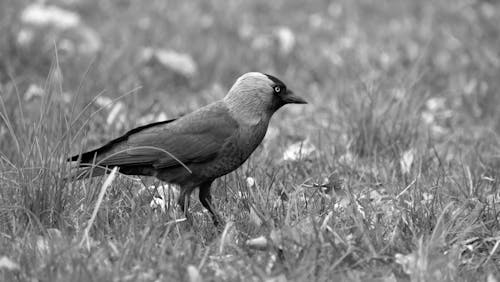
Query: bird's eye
{"type": "Point", "coordinates": [277, 89]}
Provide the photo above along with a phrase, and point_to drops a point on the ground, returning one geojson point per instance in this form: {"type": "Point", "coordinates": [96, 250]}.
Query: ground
{"type": "Point", "coordinates": [390, 173]}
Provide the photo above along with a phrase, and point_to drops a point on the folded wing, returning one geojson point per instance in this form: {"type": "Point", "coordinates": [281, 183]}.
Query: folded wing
{"type": "Point", "coordinates": [195, 138]}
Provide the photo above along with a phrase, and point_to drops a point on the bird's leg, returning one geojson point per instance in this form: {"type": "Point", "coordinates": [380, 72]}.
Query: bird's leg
{"type": "Point", "coordinates": [184, 200]}
{"type": "Point", "coordinates": [206, 201]}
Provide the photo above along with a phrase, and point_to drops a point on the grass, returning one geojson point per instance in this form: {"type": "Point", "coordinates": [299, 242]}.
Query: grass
{"type": "Point", "coordinates": [402, 185]}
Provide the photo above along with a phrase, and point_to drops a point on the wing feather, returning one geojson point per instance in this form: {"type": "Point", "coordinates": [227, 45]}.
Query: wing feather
{"type": "Point", "coordinates": [194, 138]}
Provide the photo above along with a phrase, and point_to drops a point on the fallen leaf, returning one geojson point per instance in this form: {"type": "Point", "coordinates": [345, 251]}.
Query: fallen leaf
{"type": "Point", "coordinates": [6, 263]}
{"type": "Point", "coordinates": [406, 161]}
{"type": "Point", "coordinates": [250, 182]}
{"type": "Point", "coordinates": [34, 91]}
{"type": "Point", "coordinates": [436, 104]}
{"type": "Point", "coordinates": [408, 262]}
{"type": "Point", "coordinates": [258, 243]}
{"type": "Point", "coordinates": [180, 63]}
{"type": "Point", "coordinates": [43, 15]}
{"type": "Point", "coordinates": [299, 151]}
{"type": "Point", "coordinates": [158, 203]}
{"type": "Point", "coordinates": [286, 39]}
{"type": "Point", "coordinates": [193, 274]}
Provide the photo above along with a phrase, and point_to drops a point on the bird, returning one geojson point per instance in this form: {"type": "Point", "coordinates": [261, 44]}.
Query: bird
{"type": "Point", "coordinates": [197, 148]}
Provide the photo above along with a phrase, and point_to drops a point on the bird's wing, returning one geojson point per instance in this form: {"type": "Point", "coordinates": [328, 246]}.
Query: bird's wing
{"type": "Point", "coordinates": [197, 137]}
{"type": "Point", "coordinates": [114, 145]}
{"type": "Point", "coordinates": [193, 140]}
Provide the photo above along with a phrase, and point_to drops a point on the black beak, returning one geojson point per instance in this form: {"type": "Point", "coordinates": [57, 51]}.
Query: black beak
{"type": "Point", "coordinates": [291, 98]}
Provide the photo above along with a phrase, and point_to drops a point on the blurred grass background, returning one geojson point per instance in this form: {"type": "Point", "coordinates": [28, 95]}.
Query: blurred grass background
{"type": "Point", "coordinates": [400, 179]}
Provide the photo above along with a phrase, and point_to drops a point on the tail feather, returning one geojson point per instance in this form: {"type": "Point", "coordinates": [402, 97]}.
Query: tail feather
{"type": "Point", "coordinates": [87, 161]}
{"type": "Point", "coordinates": [86, 157]}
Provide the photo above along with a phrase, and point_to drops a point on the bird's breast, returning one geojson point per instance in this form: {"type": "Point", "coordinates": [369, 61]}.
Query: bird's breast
{"type": "Point", "coordinates": [236, 150]}
{"type": "Point", "coordinates": [250, 137]}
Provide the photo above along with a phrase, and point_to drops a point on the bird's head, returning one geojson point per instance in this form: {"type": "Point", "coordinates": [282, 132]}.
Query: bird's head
{"type": "Point", "coordinates": [258, 91]}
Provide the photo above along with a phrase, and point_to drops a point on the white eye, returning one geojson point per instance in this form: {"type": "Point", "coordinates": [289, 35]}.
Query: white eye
{"type": "Point", "coordinates": [277, 89]}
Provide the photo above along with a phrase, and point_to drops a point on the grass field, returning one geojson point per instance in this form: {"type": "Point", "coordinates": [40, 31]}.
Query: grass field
{"type": "Point", "coordinates": [395, 175]}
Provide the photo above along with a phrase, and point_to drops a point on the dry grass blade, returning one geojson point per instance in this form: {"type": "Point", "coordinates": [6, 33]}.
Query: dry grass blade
{"type": "Point", "coordinates": [406, 188]}
{"type": "Point", "coordinates": [493, 250]}
{"type": "Point", "coordinates": [225, 236]}
{"type": "Point", "coordinates": [104, 187]}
